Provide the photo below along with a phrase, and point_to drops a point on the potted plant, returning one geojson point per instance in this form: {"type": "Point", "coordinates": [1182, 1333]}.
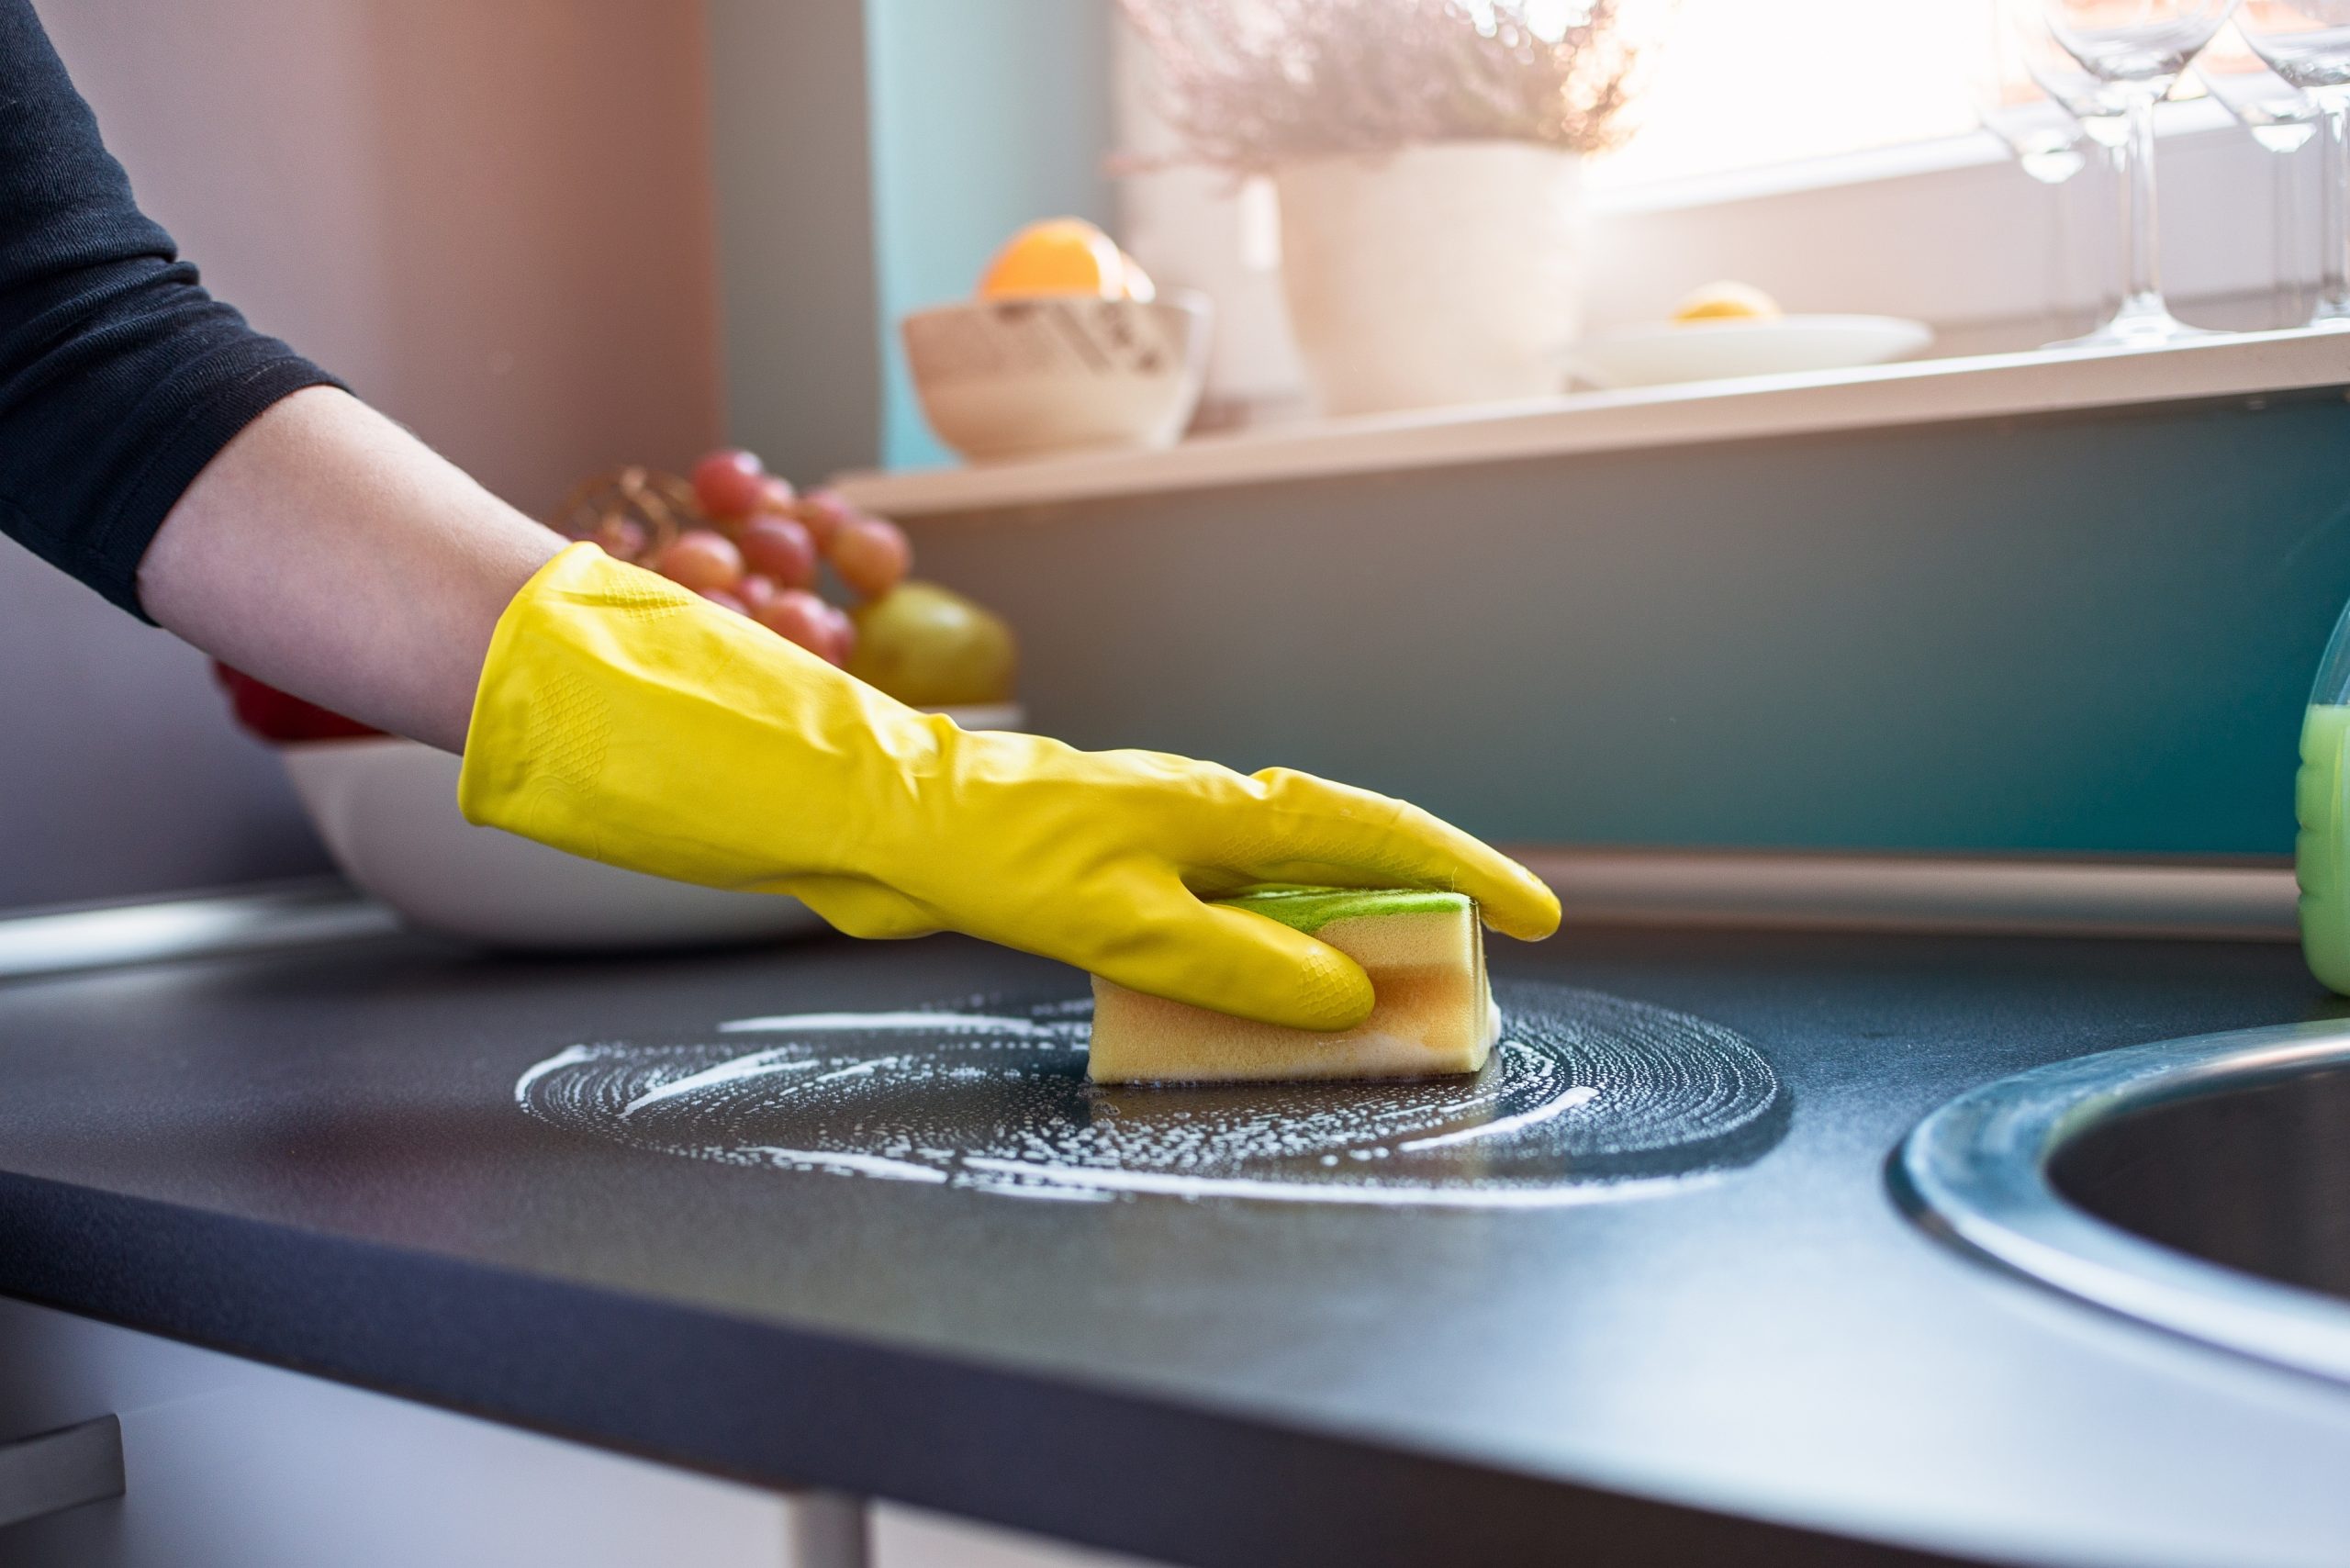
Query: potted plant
{"type": "Point", "coordinates": [1427, 157]}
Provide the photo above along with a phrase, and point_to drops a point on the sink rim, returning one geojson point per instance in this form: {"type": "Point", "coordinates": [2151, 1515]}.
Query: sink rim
{"type": "Point", "coordinates": [1975, 1174]}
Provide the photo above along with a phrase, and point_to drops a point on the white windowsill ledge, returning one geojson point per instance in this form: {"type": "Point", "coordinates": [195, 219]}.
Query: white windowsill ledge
{"type": "Point", "coordinates": [1920, 392]}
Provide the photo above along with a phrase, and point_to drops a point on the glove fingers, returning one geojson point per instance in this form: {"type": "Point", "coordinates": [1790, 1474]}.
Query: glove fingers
{"type": "Point", "coordinates": [1229, 960]}
{"type": "Point", "coordinates": [1318, 831]}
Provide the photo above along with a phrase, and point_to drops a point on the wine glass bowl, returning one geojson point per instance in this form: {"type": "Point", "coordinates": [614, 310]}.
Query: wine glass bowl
{"type": "Point", "coordinates": [2026, 39]}
{"type": "Point", "coordinates": [2315, 60]}
{"type": "Point", "coordinates": [2143, 46]}
{"type": "Point", "coordinates": [2046, 139]}
{"type": "Point", "coordinates": [2306, 42]}
{"type": "Point", "coordinates": [2280, 116]}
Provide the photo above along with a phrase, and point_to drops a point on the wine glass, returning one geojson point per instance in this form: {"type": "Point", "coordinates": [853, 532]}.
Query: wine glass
{"type": "Point", "coordinates": [2281, 118]}
{"type": "Point", "coordinates": [2306, 42]}
{"type": "Point", "coordinates": [2136, 50]}
{"type": "Point", "coordinates": [2050, 143]}
{"type": "Point", "coordinates": [2023, 37]}
{"type": "Point", "coordinates": [2026, 39]}
{"type": "Point", "coordinates": [2045, 138]}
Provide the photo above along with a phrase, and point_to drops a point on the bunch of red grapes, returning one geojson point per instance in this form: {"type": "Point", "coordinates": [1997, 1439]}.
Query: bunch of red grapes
{"type": "Point", "coordinates": [760, 556]}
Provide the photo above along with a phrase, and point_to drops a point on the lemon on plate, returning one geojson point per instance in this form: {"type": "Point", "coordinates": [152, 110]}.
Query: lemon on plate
{"type": "Point", "coordinates": [1727, 301]}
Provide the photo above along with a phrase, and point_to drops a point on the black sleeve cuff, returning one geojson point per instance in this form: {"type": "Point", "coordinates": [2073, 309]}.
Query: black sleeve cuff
{"type": "Point", "coordinates": [245, 378]}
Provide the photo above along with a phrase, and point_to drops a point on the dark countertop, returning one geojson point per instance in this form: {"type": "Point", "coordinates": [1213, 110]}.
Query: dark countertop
{"type": "Point", "coordinates": [317, 1158]}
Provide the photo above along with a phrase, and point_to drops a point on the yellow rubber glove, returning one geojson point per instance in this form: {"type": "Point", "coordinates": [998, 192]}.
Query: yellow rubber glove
{"type": "Point", "coordinates": [621, 718]}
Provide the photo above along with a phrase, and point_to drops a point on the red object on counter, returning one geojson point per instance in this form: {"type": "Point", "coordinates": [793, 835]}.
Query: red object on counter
{"type": "Point", "coordinates": [278, 716]}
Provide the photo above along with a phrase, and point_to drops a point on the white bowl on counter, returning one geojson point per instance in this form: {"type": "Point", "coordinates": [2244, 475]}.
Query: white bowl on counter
{"type": "Point", "coordinates": [1006, 379]}
{"type": "Point", "coordinates": [387, 810]}
{"type": "Point", "coordinates": [1709, 351]}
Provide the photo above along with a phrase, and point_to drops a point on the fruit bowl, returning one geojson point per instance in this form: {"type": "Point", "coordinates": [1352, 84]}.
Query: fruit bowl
{"type": "Point", "coordinates": [387, 810]}
{"type": "Point", "coordinates": [1010, 378]}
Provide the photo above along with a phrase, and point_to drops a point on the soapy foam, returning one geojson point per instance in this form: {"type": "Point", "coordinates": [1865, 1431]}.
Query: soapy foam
{"type": "Point", "coordinates": [1506, 1124]}
{"type": "Point", "coordinates": [1590, 1097]}
{"type": "Point", "coordinates": [930, 1022]}
{"type": "Point", "coordinates": [861, 1164]}
{"type": "Point", "coordinates": [724, 1072]}
{"type": "Point", "coordinates": [1031, 1181]}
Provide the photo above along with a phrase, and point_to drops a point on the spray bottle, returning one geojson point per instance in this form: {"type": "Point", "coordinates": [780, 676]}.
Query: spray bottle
{"type": "Point", "coordinates": [2321, 851]}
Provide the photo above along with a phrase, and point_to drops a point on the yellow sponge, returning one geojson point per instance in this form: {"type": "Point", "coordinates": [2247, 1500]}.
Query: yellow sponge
{"type": "Point", "coordinates": [1426, 956]}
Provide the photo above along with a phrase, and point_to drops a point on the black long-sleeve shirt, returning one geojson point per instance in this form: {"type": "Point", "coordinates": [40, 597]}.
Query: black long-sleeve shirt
{"type": "Point", "coordinates": [121, 377]}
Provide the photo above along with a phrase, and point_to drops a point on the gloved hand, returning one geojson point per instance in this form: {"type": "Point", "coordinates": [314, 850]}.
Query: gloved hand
{"type": "Point", "coordinates": [623, 718]}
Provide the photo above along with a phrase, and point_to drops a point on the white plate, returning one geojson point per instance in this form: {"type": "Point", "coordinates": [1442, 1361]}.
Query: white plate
{"type": "Point", "coordinates": [1708, 351]}
{"type": "Point", "coordinates": [387, 810]}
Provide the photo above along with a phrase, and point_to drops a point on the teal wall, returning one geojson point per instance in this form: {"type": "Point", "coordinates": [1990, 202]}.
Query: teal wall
{"type": "Point", "coordinates": [984, 116]}
{"type": "Point", "coordinates": [2070, 634]}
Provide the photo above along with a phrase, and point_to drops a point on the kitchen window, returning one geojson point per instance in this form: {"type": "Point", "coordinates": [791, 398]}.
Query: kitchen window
{"type": "Point", "coordinates": [1745, 87]}
{"type": "Point", "coordinates": [1825, 149]}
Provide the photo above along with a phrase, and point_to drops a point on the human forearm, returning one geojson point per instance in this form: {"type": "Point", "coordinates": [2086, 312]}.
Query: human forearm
{"type": "Point", "coordinates": [328, 552]}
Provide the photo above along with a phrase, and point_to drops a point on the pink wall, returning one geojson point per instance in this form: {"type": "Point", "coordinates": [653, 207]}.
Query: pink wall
{"type": "Point", "coordinates": [493, 219]}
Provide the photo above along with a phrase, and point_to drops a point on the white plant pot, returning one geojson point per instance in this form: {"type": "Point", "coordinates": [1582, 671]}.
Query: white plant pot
{"type": "Point", "coordinates": [1446, 273]}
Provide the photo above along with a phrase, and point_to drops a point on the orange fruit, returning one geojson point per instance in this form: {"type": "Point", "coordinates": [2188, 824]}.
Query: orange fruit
{"type": "Point", "coordinates": [1727, 301]}
{"type": "Point", "coordinates": [1063, 256]}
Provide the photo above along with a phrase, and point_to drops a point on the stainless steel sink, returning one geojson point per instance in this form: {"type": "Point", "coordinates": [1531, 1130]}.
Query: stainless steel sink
{"type": "Point", "coordinates": [2202, 1185]}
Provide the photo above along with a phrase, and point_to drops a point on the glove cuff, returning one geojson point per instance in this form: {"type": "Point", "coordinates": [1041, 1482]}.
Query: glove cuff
{"type": "Point", "coordinates": [623, 718]}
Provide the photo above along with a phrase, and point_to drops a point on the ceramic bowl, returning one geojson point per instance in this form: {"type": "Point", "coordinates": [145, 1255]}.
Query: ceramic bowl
{"type": "Point", "coordinates": [388, 811]}
{"type": "Point", "coordinates": [1003, 379]}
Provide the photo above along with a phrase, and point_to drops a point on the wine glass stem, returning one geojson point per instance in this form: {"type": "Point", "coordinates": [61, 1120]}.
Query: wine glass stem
{"type": "Point", "coordinates": [2333, 212]}
{"type": "Point", "coordinates": [2141, 285]}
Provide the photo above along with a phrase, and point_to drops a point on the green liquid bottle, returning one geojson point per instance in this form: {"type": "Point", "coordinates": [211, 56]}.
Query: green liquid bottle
{"type": "Point", "coordinates": [2322, 850]}
{"type": "Point", "coordinates": [2322, 846]}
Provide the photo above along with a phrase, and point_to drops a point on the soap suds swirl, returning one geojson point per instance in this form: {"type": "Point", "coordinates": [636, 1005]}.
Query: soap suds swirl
{"type": "Point", "coordinates": [1589, 1097]}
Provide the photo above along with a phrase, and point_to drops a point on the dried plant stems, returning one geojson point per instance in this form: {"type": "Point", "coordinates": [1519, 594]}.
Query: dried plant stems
{"type": "Point", "coordinates": [1249, 85]}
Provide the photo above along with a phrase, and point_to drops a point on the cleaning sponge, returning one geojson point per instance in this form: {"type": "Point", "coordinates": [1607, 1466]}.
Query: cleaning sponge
{"type": "Point", "coordinates": [1426, 956]}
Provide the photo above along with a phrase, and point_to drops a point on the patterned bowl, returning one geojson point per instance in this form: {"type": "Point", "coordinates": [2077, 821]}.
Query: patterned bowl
{"type": "Point", "coordinates": [1005, 379]}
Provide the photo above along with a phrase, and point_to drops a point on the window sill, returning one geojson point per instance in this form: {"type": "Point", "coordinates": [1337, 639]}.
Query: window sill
{"type": "Point", "coordinates": [2250, 364]}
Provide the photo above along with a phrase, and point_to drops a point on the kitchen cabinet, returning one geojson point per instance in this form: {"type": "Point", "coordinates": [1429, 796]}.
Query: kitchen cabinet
{"type": "Point", "coordinates": [229, 1462]}
{"type": "Point", "coordinates": [915, 1537]}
